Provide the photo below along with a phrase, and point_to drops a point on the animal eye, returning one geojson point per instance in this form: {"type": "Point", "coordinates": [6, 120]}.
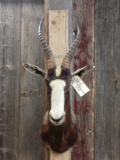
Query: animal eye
{"type": "Point", "coordinates": [47, 81]}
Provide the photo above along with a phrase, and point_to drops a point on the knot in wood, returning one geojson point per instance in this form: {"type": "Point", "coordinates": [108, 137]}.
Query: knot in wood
{"type": "Point", "coordinates": [53, 22]}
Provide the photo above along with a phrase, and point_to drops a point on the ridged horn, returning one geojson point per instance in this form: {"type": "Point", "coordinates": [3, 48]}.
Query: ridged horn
{"type": "Point", "coordinates": [49, 55]}
{"type": "Point", "coordinates": [70, 54]}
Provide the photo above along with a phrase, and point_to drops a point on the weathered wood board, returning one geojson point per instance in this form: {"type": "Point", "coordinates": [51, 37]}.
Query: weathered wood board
{"type": "Point", "coordinates": [9, 79]}
{"type": "Point", "coordinates": [84, 106]}
{"type": "Point", "coordinates": [60, 5]}
{"type": "Point", "coordinates": [107, 102]}
{"type": "Point", "coordinates": [21, 103]}
{"type": "Point", "coordinates": [64, 156]}
{"type": "Point", "coordinates": [58, 34]}
{"type": "Point", "coordinates": [31, 86]}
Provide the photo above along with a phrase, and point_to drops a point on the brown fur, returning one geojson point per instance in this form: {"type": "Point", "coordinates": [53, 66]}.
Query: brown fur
{"type": "Point", "coordinates": [60, 138]}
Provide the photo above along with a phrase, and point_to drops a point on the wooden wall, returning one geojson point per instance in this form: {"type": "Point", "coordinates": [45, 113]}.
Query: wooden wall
{"type": "Point", "coordinates": [22, 94]}
{"type": "Point", "coordinates": [107, 98]}
{"type": "Point", "coordinates": [84, 106]}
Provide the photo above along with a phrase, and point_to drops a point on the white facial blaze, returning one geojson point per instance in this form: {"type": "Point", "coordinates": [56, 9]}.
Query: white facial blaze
{"type": "Point", "coordinates": [58, 70]}
{"type": "Point", "coordinates": [57, 99]}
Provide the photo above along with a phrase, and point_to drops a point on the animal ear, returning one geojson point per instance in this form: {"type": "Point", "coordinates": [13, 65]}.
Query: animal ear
{"type": "Point", "coordinates": [34, 69]}
{"type": "Point", "coordinates": [82, 71]}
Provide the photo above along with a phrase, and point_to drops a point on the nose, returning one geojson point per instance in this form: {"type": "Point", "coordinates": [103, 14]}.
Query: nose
{"type": "Point", "coordinates": [57, 120]}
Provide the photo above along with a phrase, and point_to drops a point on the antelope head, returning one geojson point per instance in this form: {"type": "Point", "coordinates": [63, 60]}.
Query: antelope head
{"type": "Point", "coordinates": [58, 79]}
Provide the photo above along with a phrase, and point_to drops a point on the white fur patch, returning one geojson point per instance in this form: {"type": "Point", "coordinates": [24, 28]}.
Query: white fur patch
{"type": "Point", "coordinates": [58, 71]}
{"type": "Point", "coordinates": [57, 99]}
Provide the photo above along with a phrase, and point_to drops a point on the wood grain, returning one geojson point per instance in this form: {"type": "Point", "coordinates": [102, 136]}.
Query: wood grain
{"type": "Point", "coordinates": [58, 42]}
{"type": "Point", "coordinates": [22, 94]}
{"type": "Point", "coordinates": [61, 5]}
{"type": "Point", "coordinates": [9, 79]}
{"type": "Point", "coordinates": [64, 156]}
{"type": "Point", "coordinates": [107, 51]}
{"type": "Point", "coordinates": [31, 86]}
{"type": "Point", "coordinates": [84, 107]}
{"type": "Point", "coordinates": [58, 34]}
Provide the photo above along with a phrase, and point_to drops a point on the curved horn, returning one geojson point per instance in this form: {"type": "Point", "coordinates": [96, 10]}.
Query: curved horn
{"type": "Point", "coordinates": [70, 54]}
{"type": "Point", "coordinates": [49, 55]}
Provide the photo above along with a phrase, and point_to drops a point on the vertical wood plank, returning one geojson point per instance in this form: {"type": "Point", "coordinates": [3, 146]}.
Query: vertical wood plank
{"type": "Point", "coordinates": [84, 107]}
{"type": "Point", "coordinates": [31, 87]}
{"type": "Point", "coordinates": [58, 5]}
{"type": "Point", "coordinates": [64, 156]}
{"type": "Point", "coordinates": [58, 27]}
{"type": "Point", "coordinates": [107, 51]}
{"type": "Point", "coordinates": [61, 5]}
{"type": "Point", "coordinates": [2, 113]}
{"type": "Point", "coordinates": [9, 78]}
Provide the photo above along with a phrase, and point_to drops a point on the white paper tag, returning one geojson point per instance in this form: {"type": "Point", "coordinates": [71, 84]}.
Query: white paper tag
{"type": "Point", "coordinates": [79, 86]}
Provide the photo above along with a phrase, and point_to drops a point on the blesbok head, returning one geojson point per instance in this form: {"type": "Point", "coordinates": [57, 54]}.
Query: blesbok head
{"type": "Point", "coordinates": [58, 79]}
